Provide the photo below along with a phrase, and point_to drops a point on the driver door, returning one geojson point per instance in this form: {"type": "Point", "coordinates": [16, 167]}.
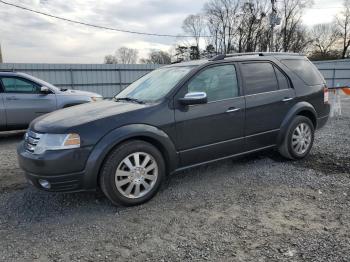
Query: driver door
{"type": "Point", "coordinates": [24, 102]}
{"type": "Point", "coordinates": [216, 129]}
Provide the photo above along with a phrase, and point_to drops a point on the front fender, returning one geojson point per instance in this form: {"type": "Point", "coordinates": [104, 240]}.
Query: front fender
{"type": "Point", "coordinates": [295, 110]}
{"type": "Point", "coordinates": [119, 135]}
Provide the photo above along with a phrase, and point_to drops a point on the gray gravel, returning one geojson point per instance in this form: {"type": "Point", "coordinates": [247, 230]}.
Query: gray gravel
{"type": "Point", "coordinates": [255, 208]}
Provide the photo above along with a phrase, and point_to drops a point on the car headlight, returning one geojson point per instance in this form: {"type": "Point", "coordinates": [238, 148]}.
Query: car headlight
{"type": "Point", "coordinates": [96, 98]}
{"type": "Point", "coordinates": [57, 142]}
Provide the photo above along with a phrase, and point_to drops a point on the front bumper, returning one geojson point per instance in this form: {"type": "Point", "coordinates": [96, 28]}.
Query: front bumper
{"type": "Point", "coordinates": [65, 170]}
{"type": "Point", "coordinates": [62, 183]}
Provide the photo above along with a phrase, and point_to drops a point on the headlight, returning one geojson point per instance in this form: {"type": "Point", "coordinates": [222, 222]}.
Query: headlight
{"type": "Point", "coordinates": [57, 142]}
{"type": "Point", "coordinates": [96, 98]}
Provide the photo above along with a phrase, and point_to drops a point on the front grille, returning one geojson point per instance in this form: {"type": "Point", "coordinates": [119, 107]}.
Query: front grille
{"type": "Point", "coordinates": [31, 139]}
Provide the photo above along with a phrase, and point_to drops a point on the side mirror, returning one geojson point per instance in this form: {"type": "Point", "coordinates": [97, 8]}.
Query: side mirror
{"type": "Point", "coordinates": [194, 98]}
{"type": "Point", "coordinates": [45, 90]}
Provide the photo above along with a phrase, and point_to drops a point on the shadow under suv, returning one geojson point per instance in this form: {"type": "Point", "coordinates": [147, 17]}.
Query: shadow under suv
{"type": "Point", "coordinates": [176, 117]}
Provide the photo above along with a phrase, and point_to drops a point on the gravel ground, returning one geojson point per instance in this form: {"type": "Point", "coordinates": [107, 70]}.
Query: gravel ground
{"type": "Point", "coordinates": [255, 208]}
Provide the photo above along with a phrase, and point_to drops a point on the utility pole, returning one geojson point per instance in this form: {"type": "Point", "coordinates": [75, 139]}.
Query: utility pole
{"type": "Point", "coordinates": [274, 20]}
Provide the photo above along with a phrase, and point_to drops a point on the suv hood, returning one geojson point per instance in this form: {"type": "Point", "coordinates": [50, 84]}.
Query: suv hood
{"type": "Point", "coordinates": [76, 117]}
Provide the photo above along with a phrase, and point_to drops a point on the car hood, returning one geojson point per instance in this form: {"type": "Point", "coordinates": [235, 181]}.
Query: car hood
{"type": "Point", "coordinates": [79, 93]}
{"type": "Point", "coordinates": [73, 118]}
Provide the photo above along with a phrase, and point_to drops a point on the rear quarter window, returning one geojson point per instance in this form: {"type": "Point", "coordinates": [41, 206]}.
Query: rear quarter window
{"type": "Point", "coordinates": [305, 70]}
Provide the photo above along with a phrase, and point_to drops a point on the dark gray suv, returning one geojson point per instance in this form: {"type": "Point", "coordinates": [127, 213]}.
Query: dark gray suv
{"type": "Point", "coordinates": [176, 117]}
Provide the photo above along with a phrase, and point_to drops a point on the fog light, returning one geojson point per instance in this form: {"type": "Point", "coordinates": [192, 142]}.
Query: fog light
{"type": "Point", "coordinates": [44, 183]}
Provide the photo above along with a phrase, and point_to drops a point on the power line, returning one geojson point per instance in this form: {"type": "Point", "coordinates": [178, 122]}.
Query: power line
{"type": "Point", "coordinates": [111, 28]}
{"type": "Point", "coordinates": [92, 25]}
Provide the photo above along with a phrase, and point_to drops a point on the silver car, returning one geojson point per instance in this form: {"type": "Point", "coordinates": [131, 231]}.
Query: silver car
{"type": "Point", "coordinates": [24, 97]}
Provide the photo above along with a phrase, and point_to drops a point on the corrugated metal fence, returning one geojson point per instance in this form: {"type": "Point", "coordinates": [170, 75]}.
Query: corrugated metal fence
{"type": "Point", "coordinates": [336, 72]}
{"type": "Point", "coordinates": [107, 80]}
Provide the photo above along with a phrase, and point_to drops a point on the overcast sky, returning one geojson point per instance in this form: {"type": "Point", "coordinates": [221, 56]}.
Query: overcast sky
{"type": "Point", "coordinates": [29, 37]}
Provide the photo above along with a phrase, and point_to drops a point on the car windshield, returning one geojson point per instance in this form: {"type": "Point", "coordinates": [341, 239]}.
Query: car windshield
{"type": "Point", "coordinates": [41, 82]}
{"type": "Point", "coordinates": [155, 85]}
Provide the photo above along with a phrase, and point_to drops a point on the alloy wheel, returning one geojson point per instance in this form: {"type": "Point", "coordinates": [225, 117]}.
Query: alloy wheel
{"type": "Point", "coordinates": [301, 138]}
{"type": "Point", "coordinates": [136, 175]}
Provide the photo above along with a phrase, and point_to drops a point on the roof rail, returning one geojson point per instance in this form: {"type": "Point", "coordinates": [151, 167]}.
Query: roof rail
{"type": "Point", "coordinates": [223, 56]}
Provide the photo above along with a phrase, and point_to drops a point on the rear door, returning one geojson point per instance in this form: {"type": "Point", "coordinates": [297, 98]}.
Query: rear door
{"type": "Point", "coordinates": [215, 129]}
{"type": "Point", "coordinates": [23, 101]}
{"type": "Point", "coordinates": [269, 96]}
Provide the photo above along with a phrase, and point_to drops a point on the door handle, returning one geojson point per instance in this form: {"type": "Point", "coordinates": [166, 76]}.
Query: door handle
{"type": "Point", "coordinates": [287, 99]}
{"type": "Point", "coordinates": [12, 98]}
{"type": "Point", "coordinates": [232, 109]}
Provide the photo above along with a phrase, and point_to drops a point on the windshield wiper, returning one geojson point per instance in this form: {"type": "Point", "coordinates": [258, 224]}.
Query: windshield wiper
{"type": "Point", "coordinates": [63, 89]}
{"type": "Point", "coordinates": [129, 99]}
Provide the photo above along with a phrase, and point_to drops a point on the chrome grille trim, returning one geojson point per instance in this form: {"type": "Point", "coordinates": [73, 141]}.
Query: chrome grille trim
{"type": "Point", "coordinates": [31, 139]}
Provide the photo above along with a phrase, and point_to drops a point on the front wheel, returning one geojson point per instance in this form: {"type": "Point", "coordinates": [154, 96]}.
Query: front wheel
{"type": "Point", "coordinates": [132, 173]}
{"type": "Point", "coordinates": [299, 138]}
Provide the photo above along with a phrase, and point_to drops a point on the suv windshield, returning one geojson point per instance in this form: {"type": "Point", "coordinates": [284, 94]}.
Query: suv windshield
{"type": "Point", "coordinates": [155, 85]}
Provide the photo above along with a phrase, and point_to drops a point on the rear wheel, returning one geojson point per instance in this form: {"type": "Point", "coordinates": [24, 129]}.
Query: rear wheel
{"type": "Point", "coordinates": [132, 173]}
{"type": "Point", "coordinates": [299, 138]}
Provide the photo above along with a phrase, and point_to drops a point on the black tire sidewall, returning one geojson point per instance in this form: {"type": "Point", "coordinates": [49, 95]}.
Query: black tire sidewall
{"type": "Point", "coordinates": [111, 164]}
{"type": "Point", "coordinates": [297, 121]}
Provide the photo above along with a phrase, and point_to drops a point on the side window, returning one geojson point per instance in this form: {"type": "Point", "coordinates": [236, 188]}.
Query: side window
{"type": "Point", "coordinates": [283, 81]}
{"type": "Point", "coordinates": [15, 85]}
{"type": "Point", "coordinates": [219, 82]}
{"type": "Point", "coordinates": [259, 78]}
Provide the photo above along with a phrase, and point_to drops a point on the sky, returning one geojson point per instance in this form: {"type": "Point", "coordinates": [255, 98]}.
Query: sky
{"type": "Point", "coordinates": [32, 38]}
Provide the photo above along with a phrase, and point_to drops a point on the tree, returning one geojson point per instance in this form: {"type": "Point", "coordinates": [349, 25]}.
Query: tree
{"type": "Point", "coordinates": [194, 25]}
{"type": "Point", "coordinates": [126, 55]}
{"type": "Point", "coordinates": [123, 55]}
{"type": "Point", "coordinates": [110, 59]}
{"type": "Point", "coordinates": [325, 37]}
{"type": "Point", "coordinates": [253, 27]}
{"type": "Point", "coordinates": [221, 18]}
{"type": "Point", "coordinates": [181, 53]}
{"type": "Point", "coordinates": [343, 20]}
{"type": "Point", "coordinates": [209, 51]}
{"type": "Point", "coordinates": [292, 31]}
{"type": "Point", "coordinates": [157, 57]}
{"type": "Point", "coordinates": [331, 55]}
{"type": "Point", "coordinates": [194, 52]}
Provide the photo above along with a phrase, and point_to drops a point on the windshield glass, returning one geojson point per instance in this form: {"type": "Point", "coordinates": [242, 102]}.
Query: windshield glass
{"type": "Point", "coordinates": [41, 82]}
{"type": "Point", "coordinates": [155, 85]}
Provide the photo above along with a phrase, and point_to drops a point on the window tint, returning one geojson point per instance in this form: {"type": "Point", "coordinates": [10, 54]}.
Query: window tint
{"type": "Point", "coordinates": [283, 81]}
{"type": "Point", "coordinates": [15, 85]}
{"type": "Point", "coordinates": [219, 82]}
{"type": "Point", "coordinates": [305, 70]}
{"type": "Point", "coordinates": [259, 78]}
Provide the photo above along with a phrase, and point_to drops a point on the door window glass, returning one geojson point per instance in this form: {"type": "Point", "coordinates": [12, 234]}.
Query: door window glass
{"type": "Point", "coordinates": [259, 78]}
{"type": "Point", "coordinates": [219, 82]}
{"type": "Point", "coordinates": [15, 85]}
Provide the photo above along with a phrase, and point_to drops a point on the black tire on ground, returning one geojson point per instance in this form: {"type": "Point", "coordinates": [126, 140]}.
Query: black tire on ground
{"type": "Point", "coordinates": [114, 160]}
{"type": "Point", "coordinates": [286, 148]}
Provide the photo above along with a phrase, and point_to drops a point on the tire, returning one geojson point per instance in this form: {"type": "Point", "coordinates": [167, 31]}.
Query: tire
{"type": "Point", "coordinates": [293, 139]}
{"type": "Point", "coordinates": [125, 180]}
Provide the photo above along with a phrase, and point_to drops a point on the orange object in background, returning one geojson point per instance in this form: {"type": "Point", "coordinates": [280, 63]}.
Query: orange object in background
{"type": "Point", "coordinates": [346, 90]}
